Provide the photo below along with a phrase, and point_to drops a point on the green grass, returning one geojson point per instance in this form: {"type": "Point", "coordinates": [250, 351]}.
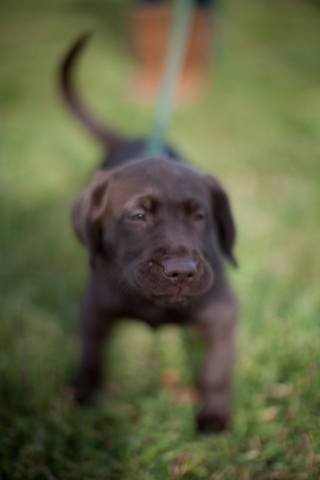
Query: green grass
{"type": "Point", "coordinates": [258, 130]}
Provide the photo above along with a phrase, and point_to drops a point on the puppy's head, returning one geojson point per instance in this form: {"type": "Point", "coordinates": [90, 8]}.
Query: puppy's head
{"type": "Point", "coordinates": [160, 224]}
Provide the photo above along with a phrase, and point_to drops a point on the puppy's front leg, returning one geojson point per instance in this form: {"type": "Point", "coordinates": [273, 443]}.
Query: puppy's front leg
{"type": "Point", "coordinates": [95, 324]}
{"type": "Point", "coordinates": [215, 376]}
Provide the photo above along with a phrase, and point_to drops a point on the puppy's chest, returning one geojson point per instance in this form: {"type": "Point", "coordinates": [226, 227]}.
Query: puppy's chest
{"type": "Point", "coordinates": [156, 316]}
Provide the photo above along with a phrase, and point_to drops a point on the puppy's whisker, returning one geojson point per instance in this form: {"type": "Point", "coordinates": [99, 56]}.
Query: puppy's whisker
{"type": "Point", "coordinates": [122, 289]}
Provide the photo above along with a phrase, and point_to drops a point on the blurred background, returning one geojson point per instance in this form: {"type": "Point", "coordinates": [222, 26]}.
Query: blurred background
{"type": "Point", "coordinates": [257, 128]}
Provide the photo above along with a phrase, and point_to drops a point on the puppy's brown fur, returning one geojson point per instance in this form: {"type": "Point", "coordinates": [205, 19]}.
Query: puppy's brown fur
{"type": "Point", "coordinates": [155, 231]}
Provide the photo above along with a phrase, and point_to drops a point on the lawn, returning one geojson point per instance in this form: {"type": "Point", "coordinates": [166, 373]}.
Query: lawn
{"type": "Point", "coordinates": [258, 129]}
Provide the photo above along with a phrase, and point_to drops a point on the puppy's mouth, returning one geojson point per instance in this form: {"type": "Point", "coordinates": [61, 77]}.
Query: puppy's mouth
{"type": "Point", "coordinates": [174, 300]}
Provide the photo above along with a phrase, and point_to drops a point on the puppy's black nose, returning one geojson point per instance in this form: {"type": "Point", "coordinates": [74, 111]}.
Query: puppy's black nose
{"type": "Point", "coordinates": [180, 271]}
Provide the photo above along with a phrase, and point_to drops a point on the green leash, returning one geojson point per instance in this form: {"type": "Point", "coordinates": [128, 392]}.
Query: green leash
{"type": "Point", "coordinates": [174, 61]}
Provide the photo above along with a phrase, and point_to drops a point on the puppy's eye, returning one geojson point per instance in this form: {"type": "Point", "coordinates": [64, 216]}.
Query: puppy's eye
{"type": "Point", "coordinates": [138, 217]}
{"type": "Point", "coordinates": [198, 216]}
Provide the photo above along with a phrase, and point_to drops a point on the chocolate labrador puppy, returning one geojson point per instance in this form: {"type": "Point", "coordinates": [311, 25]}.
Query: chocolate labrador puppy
{"type": "Point", "coordinates": [156, 232]}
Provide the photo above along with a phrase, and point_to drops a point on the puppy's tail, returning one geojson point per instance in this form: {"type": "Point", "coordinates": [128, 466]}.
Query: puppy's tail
{"type": "Point", "coordinates": [101, 132]}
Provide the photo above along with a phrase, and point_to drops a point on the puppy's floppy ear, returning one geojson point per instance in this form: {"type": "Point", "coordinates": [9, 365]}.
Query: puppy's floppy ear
{"type": "Point", "coordinates": [87, 209]}
{"type": "Point", "coordinates": [223, 217]}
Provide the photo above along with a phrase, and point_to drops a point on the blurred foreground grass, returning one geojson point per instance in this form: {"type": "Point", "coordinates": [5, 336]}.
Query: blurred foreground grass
{"type": "Point", "coordinates": [258, 130]}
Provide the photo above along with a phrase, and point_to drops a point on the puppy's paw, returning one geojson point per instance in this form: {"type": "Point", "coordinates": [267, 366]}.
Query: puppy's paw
{"type": "Point", "coordinates": [82, 397]}
{"type": "Point", "coordinates": [214, 414]}
{"type": "Point", "coordinates": [212, 423]}
{"type": "Point", "coordinates": [72, 395]}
